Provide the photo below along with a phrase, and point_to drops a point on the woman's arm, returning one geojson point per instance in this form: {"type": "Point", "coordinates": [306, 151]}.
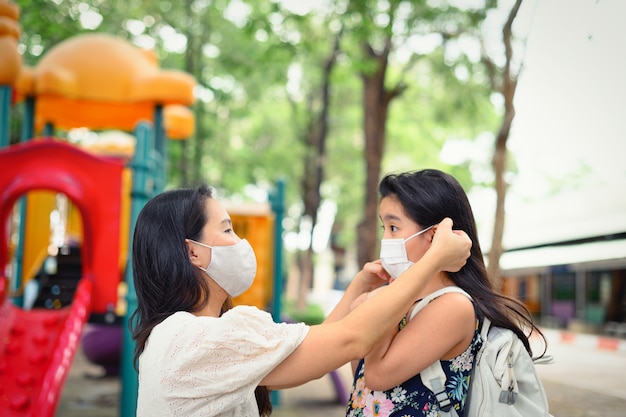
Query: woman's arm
{"type": "Point", "coordinates": [442, 330]}
{"type": "Point", "coordinates": [372, 276]}
{"type": "Point", "coordinates": [330, 345]}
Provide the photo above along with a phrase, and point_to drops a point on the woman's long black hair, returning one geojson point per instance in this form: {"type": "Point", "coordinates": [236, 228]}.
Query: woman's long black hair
{"type": "Point", "coordinates": [428, 196]}
{"type": "Point", "coordinates": [165, 280]}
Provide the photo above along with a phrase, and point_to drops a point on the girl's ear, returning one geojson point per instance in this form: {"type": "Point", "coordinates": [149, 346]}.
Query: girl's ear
{"type": "Point", "coordinates": [431, 233]}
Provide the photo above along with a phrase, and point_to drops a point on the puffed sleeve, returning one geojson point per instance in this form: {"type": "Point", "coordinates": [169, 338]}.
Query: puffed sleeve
{"type": "Point", "coordinates": [218, 362]}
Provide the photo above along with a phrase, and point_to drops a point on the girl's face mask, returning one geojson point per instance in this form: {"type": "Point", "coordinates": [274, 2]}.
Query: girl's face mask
{"type": "Point", "coordinates": [393, 255]}
{"type": "Point", "coordinates": [232, 267]}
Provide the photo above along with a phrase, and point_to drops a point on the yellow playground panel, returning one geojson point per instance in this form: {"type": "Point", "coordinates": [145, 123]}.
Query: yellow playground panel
{"type": "Point", "coordinates": [255, 222]}
{"type": "Point", "coordinates": [37, 231]}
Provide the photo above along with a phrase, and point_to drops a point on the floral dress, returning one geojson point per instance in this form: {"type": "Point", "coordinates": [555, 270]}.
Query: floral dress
{"type": "Point", "coordinates": [411, 398]}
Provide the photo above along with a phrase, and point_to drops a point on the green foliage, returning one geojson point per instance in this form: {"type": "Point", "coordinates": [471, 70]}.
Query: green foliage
{"type": "Point", "coordinates": [312, 314]}
{"type": "Point", "coordinates": [250, 124]}
{"type": "Point", "coordinates": [45, 23]}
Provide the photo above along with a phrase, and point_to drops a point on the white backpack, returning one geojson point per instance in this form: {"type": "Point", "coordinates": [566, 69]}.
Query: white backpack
{"type": "Point", "coordinates": [503, 382]}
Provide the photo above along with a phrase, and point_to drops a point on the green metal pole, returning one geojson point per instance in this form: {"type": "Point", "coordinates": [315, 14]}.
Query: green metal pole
{"type": "Point", "coordinates": [277, 200]}
{"type": "Point", "coordinates": [142, 191]}
{"type": "Point", "coordinates": [28, 121]}
{"type": "Point", "coordinates": [48, 130]}
{"type": "Point", "coordinates": [18, 261]}
{"type": "Point", "coordinates": [5, 141]}
{"type": "Point", "coordinates": [26, 134]}
{"type": "Point", "coordinates": [160, 144]}
{"type": "Point", "coordinates": [5, 115]}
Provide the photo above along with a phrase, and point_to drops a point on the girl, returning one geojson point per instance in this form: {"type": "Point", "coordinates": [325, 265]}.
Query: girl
{"type": "Point", "coordinates": [387, 381]}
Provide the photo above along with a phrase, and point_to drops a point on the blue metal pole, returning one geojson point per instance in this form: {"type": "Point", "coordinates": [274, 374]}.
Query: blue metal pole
{"type": "Point", "coordinates": [142, 191]}
{"type": "Point", "coordinates": [277, 200]}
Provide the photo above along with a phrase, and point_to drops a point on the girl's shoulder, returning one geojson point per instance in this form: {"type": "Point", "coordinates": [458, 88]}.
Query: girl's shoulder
{"type": "Point", "coordinates": [454, 296]}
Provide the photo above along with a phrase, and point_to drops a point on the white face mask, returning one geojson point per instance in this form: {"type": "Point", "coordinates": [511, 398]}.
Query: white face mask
{"type": "Point", "coordinates": [393, 254]}
{"type": "Point", "coordinates": [232, 267]}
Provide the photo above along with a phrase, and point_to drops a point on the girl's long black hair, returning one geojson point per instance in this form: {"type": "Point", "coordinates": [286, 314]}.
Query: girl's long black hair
{"type": "Point", "coordinates": [428, 196]}
{"type": "Point", "coordinates": [165, 280]}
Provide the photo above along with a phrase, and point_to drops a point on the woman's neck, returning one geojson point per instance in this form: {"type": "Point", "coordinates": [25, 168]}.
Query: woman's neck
{"type": "Point", "coordinates": [208, 311]}
{"type": "Point", "coordinates": [217, 298]}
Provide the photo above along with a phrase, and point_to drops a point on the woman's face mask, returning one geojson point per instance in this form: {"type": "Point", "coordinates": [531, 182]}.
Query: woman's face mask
{"type": "Point", "coordinates": [232, 267]}
{"type": "Point", "coordinates": [393, 255]}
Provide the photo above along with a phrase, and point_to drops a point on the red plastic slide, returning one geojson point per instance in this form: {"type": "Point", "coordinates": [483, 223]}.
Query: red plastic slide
{"type": "Point", "coordinates": [37, 346]}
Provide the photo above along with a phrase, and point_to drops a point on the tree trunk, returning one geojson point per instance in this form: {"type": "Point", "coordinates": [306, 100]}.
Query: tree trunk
{"type": "Point", "coordinates": [499, 166]}
{"type": "Point", "coordinates": [314, 160]}
{"type": "Point", "coordinates": [376, 101]}
{"type": "Point", "coordinates": [374, 119]}
{"type": "Point", "coordinates": [192, 149]}
{"type": "Point", "coordinates": [508, 87]}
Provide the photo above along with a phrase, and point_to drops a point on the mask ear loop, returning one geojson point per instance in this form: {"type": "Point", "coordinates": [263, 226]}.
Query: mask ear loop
{"type": "Point", "coordinates": [202, 244]}
{"type": "Point", "coordinates": [419, 233]}
{"type": "Point", "coordinates": [206, 246]}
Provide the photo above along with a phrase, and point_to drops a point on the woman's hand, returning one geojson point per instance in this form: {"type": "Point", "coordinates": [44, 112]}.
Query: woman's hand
{"type": "Point", "coordinates": [452, 246]}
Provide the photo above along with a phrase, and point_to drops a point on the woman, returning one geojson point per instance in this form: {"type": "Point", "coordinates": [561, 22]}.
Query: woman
{"type": "Point", "coordinates": [198, 357]}
{"type": "Point", "coordinates": [387, 381]}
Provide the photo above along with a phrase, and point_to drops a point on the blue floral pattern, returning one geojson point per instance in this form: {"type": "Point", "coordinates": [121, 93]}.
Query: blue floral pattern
{"type": "Point", "coordinates": [412, 398]}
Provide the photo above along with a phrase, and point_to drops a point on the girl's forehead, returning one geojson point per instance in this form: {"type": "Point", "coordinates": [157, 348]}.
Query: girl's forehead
{"type": "Point", "coordinates": [390, 208]}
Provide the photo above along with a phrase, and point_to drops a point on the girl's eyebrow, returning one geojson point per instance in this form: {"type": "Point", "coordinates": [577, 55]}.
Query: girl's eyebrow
{"type": "Point", "coordinates": [227, 222]}
{"type": "Point", "coordinates": [388, 217]}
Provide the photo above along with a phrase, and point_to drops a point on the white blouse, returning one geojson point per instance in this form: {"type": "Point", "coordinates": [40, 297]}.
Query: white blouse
{"type": "Point", "coordinates": [208, 366]}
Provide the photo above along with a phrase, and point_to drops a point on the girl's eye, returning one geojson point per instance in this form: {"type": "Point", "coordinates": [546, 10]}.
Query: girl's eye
{"type": "Point", "coordinates": [393, 228]}
{"type": "Point", "coordinates": [228, 231]}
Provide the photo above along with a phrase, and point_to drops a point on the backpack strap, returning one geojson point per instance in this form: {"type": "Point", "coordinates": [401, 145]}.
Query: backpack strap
{"type": "Point", "coordinates": [424, 301]}
{"type": "Point", "coordinates": [433, 377]}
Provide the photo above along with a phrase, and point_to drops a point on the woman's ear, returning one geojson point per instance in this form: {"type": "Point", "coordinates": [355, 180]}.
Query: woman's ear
{"type": "Point", "coordinates": [198, 256]}
{"type": "Point", "coordinates": [192, 251]}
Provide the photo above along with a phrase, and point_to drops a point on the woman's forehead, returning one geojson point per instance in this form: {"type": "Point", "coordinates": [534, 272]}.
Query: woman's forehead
{"type": "Point", "coordinates": [216, 213]}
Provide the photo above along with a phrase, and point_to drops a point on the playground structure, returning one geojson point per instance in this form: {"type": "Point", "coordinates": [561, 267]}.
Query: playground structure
{"type": "Point", "coordinates": [97, 82]}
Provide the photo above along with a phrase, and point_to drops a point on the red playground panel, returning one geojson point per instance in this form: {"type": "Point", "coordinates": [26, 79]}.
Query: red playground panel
{"type": "Point", "coordinates": [37, 346]}
{"type": "Point", "coordinates": [94, 184]}
{"type": "Point", "coordinates": [37, 351]}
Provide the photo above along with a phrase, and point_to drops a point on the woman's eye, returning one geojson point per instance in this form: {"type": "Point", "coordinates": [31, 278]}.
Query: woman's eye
{"type": "Point", "coordinates": [393, 228]}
